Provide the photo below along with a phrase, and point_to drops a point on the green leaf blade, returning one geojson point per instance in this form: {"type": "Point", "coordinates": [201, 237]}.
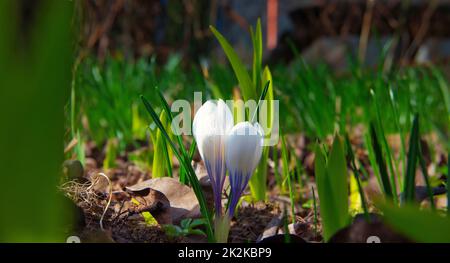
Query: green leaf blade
{"type": "Point", "coordinates": [247, 87]}
{"type": "Point", "coordinates": [409, 185]}
{"type": "Point", "coordinates": [381, 163]}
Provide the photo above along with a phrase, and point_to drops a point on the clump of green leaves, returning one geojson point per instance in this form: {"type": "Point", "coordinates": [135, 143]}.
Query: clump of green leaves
{"type": "Point", "coordinates": [110, 154]}
{"type": "Point", "coordinates": [408, 218]}
{"type": "Point", "coordinates": [162, 157]}
{"type": "Point", "coordinates": [332, 186]}
{"type": "Point", "coordinates": [187, 227]}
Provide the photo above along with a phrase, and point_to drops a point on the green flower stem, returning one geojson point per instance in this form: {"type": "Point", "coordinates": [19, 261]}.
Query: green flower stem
{"type": "Point", "coordinates": [222, 228]}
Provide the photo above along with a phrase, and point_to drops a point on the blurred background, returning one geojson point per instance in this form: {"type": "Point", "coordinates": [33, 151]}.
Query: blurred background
{"type": "Point", "coordinates": [321, 30]}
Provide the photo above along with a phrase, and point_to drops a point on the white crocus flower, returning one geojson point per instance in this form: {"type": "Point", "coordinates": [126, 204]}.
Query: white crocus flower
{"type": "Point", "coordinates": [212, 122]}
{"type": "Point", "coordinates": [243, 152]}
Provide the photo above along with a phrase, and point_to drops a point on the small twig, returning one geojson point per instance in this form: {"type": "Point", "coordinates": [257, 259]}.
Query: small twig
{"type": "Point", "coordinates": [100, 30]}
{"type": "Point", "coordinates": [423, 29]}
{"type": "Point", "coordinates": [71, 145]}
{"type": "Point", "coordinates": [325, 19]}
{"type": "Point", "coordinates": [365, 30]}
{"type": "Point", "coordinates": [236, 17]}
{"type": "Point", "coordinates": [119, 213]}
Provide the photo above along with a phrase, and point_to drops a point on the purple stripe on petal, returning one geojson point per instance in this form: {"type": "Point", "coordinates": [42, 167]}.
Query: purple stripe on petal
{"type": "Point", "coordinates": [215, 166]}
{"type": "Point", "coordinates": [238, 183]}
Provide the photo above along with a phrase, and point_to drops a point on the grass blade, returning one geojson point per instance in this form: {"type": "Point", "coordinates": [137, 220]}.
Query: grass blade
{"type": "Point", "coordinates": [256, 37]}
{"type": "Point", "coordinates": [409, 184]}
{"type": "Point", "coordinates": [337, 171]}
{"type": "Point", "coordinates": [287, 175]}
{"type": "Point", "coordinates": [166, 108]}
{"type": "Point", "coordinates": [168, 159]}
{"type": "Point", "coordinates": [372, 159]}
{"type": "Point", "coordinates": [160, 126]}
{"type": "Point", "coordinates": [192, 149]}
{"type": "Point", "coordinates": [161, 158]}
{"type": "Point", "coordinates": [287, 237]}
{"type": "Point", "coordinates": [247, 87]}
{"type": "Point", "coordinates": [298, 170]}
{"type": "Point", "coordinates": [261, 98]}
{"type": "Point", "coordinates": [191, 155]}
{"type": "Point", "coordinates": [386, 147]}
{"type": "Point", "coordinates": [357, 177]}
{"type": "Point", "coordinates": [426, 178]}
{"type": "Point", "coordinates": [381, 163]}
{"type": "Point", "coordinates": [315, 210]}
{"type": "Point", "coordinates": [258, 181]}
{"type": "Point", "coordinates": [110, 154]}
{"type": "Point", "coordinates": [402, 137]}
{"type": "Point", "coordinates": [276, 172]}
{"type": "Point", "coordinates": [268, 100]}
{"type": "Point", "coordinates": [327, 209]}
{"type": "Point", "coordinates": [448, 184]}
{"type": "Point", "coordinates": [444, 88]}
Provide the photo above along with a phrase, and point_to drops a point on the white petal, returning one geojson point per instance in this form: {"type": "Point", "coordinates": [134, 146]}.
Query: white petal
{"type": "Point", "coordinates": [225, 117]}
{"type": "Point", "coordinates": [243, 148]}
{"type": "Point", "coordinates": [211, 124]}
{"type": "Point", "coordinates": [210, 127]}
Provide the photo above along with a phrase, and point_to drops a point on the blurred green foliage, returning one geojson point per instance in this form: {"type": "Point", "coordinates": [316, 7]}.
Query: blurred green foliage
{"type": "Point", "coordinates": [321, 101]}
{"type": "Point", "coordinates": [313, 99]}
{"type": "Point", "coordinates": [35, 66]}
{"type": "Point", "coordinates": [108, 94]}
{"type": "Point", "coordinates": [419, 225]}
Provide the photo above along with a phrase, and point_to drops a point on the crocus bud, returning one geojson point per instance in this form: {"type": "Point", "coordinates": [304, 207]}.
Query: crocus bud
{"type": "Point", "coordinates": [243, 152]}
{"type": "Point", "coordinates": [212, 122]}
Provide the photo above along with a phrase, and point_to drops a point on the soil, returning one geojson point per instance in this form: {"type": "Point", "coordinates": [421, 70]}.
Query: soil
{"type": "Point", "coordinates": [249, 225]}
{"type": "Point", "coordinates": [251, 222]}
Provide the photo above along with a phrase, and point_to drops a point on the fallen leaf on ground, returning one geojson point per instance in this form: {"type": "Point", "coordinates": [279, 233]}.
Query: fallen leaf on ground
{"type": "Point", "coordinates": [182, 199]}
